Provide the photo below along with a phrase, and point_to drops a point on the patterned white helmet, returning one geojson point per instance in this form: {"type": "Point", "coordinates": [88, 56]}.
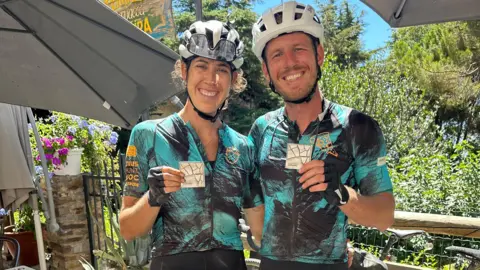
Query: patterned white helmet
{"type": "Point", "coordinates": [285, 18]}
{"type": "Point", "coordinates": [214, 40]}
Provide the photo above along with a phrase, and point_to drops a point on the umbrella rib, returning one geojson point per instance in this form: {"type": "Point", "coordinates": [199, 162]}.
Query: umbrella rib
{"type": "Point", "coordinates": [4, 2]}
{"type": "Point", "coordinates": [398, 13]}
{"type": "Point", "coordinates": [109, 28]}
{"type": "Point", "coordinates": [15, 30]}
{"type": "Point", "coordinates": [65, 63]}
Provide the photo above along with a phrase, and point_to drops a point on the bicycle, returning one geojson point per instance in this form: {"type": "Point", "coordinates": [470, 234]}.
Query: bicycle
{"type": "Point", "coordinates": [252, 263]}
{"type": "Point", "coordinates": [472, 255]}
{"type": "Point", "coordinates": [366, 260]}
{"type": "Point", "coordinates": [361, 258]}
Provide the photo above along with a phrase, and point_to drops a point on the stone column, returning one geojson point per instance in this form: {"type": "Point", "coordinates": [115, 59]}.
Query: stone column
{"type": "Point", "coordinates": [71, 242]}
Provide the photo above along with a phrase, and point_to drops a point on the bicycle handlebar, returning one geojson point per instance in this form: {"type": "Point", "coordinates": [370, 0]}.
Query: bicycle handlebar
{"type": "Point", "coordinates": [243, 227]}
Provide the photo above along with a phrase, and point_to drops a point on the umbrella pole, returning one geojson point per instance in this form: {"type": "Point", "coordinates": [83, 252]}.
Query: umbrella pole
{"type": "Point", "coordinates": [53, 225]}
{"type": "Point", "coordinates": [198, 10]}
{"type": "Point", "coordinates": [36, 182]}
{"type": "Point", "coordinates": [38, 231]}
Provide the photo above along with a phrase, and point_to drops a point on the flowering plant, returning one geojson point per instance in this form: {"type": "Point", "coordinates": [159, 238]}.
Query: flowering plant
{"type": "Point", "coordinates": [3, 217]}
{"type": "Point", "coordinates": [63, 132]}
{"type": "Point", "coordinates": [56, 150]}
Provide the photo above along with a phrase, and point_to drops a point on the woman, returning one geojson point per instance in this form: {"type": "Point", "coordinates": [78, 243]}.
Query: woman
{"type": "Point", "coordinates": [189, 175]}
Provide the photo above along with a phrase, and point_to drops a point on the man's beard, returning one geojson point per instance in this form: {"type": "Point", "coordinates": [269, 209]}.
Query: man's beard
{"type": "Point", "coordinates": [301, 93]}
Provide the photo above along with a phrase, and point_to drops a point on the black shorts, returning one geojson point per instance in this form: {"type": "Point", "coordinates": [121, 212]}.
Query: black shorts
{"type": "Point", "coordinates": [268, 264]}
{"type": "Point", "coordinates": [215, 259]}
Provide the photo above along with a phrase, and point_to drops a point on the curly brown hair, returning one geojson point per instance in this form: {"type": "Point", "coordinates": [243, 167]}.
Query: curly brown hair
{"type": "Point", "coordinates": [238, 86]}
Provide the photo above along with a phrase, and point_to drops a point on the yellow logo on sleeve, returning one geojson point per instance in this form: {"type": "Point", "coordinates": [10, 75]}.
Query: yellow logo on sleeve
{"type": "Point", "coordinates": [131, 151]}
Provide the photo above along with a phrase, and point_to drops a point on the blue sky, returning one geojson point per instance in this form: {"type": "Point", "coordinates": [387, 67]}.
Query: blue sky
{"type": "Point", "coordinates": [377, 32]}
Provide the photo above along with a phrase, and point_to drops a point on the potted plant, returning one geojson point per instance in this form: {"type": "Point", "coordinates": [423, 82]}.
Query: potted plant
{"type": "Point", "coordinates": [74, 144]}
{"type": "Point", "coordinates": [24, 232]}
{"type": "Point", "coordinates": [63, 154]}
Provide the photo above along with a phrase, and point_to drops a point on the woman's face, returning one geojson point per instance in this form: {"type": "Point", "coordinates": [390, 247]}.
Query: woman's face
{"type": "Point", "coordinates": [208, 83]}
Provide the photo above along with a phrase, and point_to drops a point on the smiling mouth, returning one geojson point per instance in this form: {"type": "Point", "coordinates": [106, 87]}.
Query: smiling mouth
{"type": "Point", "coordinates": [207, 93]}
{"type": "Point", "coordinates": [293, 77]}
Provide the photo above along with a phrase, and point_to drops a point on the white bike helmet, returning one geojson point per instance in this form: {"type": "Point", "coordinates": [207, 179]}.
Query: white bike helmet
{"type": "Point", "coordinates": [285, 18]}
{"type": "Point", "coordinates": [214, 40]}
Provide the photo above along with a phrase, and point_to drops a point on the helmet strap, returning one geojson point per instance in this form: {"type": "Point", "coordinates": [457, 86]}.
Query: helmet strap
{"type": "Point", "coordinates": [206, 116]}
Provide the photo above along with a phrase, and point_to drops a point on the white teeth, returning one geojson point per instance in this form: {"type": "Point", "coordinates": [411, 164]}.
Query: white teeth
{"type": "Point", "coordinates": [208, 93]}
{"type": "Point", "coordinates": [293, 77]}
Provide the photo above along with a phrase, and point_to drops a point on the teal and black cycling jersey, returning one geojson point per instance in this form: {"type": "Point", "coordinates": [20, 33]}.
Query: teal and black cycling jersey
{"type": "Point", "coordinates": [194, 219]}
{"type": "Point", "coordinates": [300, 225]}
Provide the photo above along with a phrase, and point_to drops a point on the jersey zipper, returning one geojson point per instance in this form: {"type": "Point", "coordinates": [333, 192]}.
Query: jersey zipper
{"type": "Point", "coordinates": [212, 189]}
{"type": "Point", "coordinates": [212, 186]}
{"type": "Point", "coordinates": [294, 210]}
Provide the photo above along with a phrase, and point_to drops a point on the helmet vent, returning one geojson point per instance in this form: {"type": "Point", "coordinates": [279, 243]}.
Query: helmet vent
{"type": "Point", "coordinates": [279, 17]}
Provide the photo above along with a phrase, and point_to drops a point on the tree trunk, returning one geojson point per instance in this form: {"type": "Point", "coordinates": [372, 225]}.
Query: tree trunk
{"type": "Point", "coordinates": [465, 134]}
{"type": "Point", "coordinates": [459, 133]}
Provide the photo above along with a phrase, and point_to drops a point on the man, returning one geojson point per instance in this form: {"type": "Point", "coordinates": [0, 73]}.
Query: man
{"type": "Point", "coordinates": [194, 222]}
{"type": "Point", "coordinates": [312, 155]}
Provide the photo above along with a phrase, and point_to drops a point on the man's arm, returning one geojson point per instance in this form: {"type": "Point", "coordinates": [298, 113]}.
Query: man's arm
{"type": "Point", "coordinates": [254, 217]}
{"type": "Point", "coordinates": [371, 211]}
{"type": "Point", "coordinates": [375, 210]}
{"type": "Point", "coordinates": [375, 205]}
{"type": "Point", "coordinates": [136, 217]}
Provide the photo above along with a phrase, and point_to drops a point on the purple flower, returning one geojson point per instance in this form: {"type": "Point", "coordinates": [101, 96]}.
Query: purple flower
{"type": "Point", "coordinates": [38, 169]}
{"type": "Point", "coordinates": [106, 128]}
{"type": "Point", "coordinates": [53, 118]}
{"type": "Point", "coordinates": [50, 175]}
{"type": "Point", "coordinates": [48, 156]}
{"type": "Point", "coordinates": [38, 158]}
{"type": "Point", "coordinates": [114, 134]}
{"type": "Point", "coordinates": [47, 142]}
{"type": "Point", "coordinates": [91, 129]}
{"type": "Point", "coordinates": [72, 130]}
{"type": "Point", "coordinates": [113, 139]}
{"type": "Point", "coordinates": [70, 137]}
{"type": "Point", "coordinates": [4, 213]}
{"type": "Point", "coordinates": [75, 118]}
{"type": "Point", "coordinates": [29, 126]}
{"type": "Point", "coordinates": [83, 124]}
{"type": "Point", "coordinates": [56, 161]}
{"type": "Point", "coordinates": [63, 151]}
{"type": "Point", "coordinates": [60, 141]}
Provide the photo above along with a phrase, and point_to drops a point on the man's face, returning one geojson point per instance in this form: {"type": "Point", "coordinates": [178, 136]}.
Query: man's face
{"type": "Point", "coordinates": [292, 64]}
{"type": "Point", "coordinates": [208, 83]}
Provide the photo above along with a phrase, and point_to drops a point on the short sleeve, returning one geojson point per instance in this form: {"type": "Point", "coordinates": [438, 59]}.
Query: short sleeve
{"type": "Point", "coordinates": [136, 165]}
{"type": "Point", "coordinates": [369, 150]}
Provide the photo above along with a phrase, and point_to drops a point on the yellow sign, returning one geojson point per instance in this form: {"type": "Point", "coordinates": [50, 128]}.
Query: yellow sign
{"type": "Point", "coordinates": [154, 17]}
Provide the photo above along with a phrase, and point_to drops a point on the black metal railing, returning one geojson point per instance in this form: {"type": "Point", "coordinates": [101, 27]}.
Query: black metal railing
{"type": "Point", "coordinates": [103, 189]}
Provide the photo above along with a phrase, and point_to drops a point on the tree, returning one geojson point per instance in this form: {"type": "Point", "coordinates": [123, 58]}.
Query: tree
{"type": "Point", "coordinates": [257, 99]}
{"type": "Point", "coordinates": [343, 29]}
{"type": "Point", "coordinates": [377, 89]}
{"type": "Point", "coordinates": [445, 60]}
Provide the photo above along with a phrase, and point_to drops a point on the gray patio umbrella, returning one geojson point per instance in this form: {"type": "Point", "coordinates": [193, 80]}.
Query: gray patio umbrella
{"type": "Point", "coordinates": [16, 180]}
{"type": "Point", "coordinates": [16, 168]}
{"type": "Point", "coordinates": [80, 57]}
{"type": "Point", "coordinates": [401, 13]}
